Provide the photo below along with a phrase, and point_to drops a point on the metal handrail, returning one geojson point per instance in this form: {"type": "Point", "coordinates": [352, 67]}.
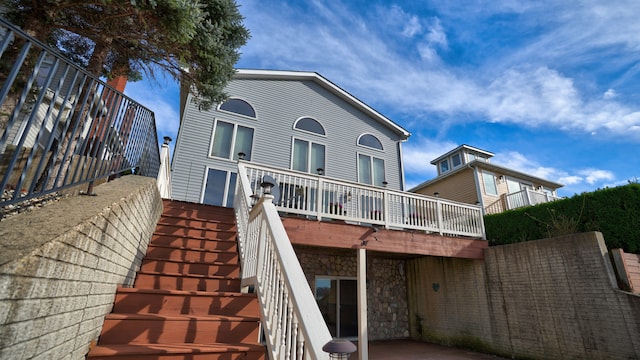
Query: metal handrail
{"type": "Point", "coordinates": [60, 126]}
{"type": "Point", "coordinates": [321, 197]}
{"type": "Point", "coordinates": [293, 324]}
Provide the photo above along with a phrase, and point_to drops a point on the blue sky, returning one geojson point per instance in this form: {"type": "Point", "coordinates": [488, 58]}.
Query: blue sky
{"type": "Point", "coordinates": [552, 88]}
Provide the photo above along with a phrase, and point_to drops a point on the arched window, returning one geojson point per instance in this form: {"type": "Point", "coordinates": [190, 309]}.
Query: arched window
{"type": "Point", "coordinates": [371, 141]}
{"type": "Point", "coordinates": [238, 106]}
{"type": "Point", "coordinates": [310, 125]}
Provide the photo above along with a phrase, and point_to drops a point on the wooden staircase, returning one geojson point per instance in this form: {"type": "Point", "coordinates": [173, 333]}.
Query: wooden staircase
{"type": "Point", "coordinates": [186, 301]}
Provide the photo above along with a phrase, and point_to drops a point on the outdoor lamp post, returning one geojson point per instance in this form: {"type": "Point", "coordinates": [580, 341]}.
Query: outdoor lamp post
{"type": "Point", "coordinates": [320, 171]}
{"type": "Point", "coordinates": [241, 155]}
{"type": "Point", "coordinates": [167, 140]}
{"type": "Point", "coordinates": [266, 186]}
{"type": "Point", "coordinates": [339, 349]}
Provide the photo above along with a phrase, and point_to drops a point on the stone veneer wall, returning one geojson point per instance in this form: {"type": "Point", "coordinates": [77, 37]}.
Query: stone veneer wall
{"type": "Point", "coordinates": [546, 299]}
{"type": "Point", "coordinates": [60, 266]}
{"type": "Point", "coordinates": [386, 286]}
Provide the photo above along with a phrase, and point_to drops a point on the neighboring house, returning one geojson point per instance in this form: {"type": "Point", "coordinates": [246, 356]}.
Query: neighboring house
{"type": "Point", "coordinates": [466, 174]}
{"type": "Point", "coordinates": [286, 119]}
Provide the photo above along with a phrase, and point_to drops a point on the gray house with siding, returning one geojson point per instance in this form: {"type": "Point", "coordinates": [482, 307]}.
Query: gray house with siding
{"type": "Point", "coordinates": [287, 119]}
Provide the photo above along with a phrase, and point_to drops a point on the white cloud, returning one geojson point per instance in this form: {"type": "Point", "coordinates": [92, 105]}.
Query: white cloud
{"type": "Point", "coordinates": [572, 178]}
{"type": "Point", "coordinates": [436, 35]}
{"type": "Point", "coordinates": [609, 94]}
{"type": "Point", "coordinates": [593, 176]}
{"type": "Point", "coordinates": [412, 27]}
{"type": "Point", "coordinates": [417, 155]}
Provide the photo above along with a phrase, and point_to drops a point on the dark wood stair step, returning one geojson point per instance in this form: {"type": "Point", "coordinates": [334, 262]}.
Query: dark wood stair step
{"type": "Point", "coordinates": [189, 267]}
{"type": "Point", "coordinates": [197, 223]}
{"type": "Point", "coordinates": [156, 301]}
{"type": "Point", "coordinates": [175, 281]}
{"type": "Point", "coordinates": [228, 244]}
{"type": "Point", "coordinates": [226, 351]}
{"type": "Point", "coordinates": [193, 210]}
{"type": "Point", "coordinates": [194, 232]}
{"type": "Point", "coordinates": [178, 329]}
{"type": "Point", "coordinates": [191, 254]}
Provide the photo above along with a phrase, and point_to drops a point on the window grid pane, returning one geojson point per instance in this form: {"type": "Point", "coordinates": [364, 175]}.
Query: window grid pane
{"type": "Point", "coordinates": [378, 171]}
{"type": "Point", "coordinates": [490, 186]}
{"type": "Point", "coordinates": [364, 169]}
{"type": "Point", "coordinates": [310, 125]}
{"type": "Point", "coordinates": [244, 139]}
{"type": "Point", "coordinates": [300, 155]}
{"type": "Point", "coordinates": [222, 139]}
{"type": "Point", "coordinates": [317, 157]}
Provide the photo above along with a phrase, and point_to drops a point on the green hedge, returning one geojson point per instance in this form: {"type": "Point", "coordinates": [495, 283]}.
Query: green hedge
{"type": "Point", "coordinates": [613, 211]}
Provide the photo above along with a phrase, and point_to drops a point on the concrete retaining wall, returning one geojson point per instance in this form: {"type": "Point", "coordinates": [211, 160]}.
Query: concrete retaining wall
{"type": "Point", "coordinates": [547, 299]}
{"type": "Point", "coordinates": [60, 267]}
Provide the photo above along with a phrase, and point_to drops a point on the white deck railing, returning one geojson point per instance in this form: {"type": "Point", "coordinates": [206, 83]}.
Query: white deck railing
{"type": "Point", "coordinates": [321, 197]}
{"type": "Point", "coordinates": [293, 325]}
{"type": "Point", "coordinates": [528, 197]}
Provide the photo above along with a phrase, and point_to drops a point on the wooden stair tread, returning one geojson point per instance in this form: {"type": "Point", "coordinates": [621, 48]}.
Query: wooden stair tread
{"type": "Point", "coordinates": [158, 349]}
{"type": "Point", "coordinates": [166, 220]}
{"type": "Point", "coordinates": [197, 237]}
{"type": "Point", "coordinates": [191, 262]}
{"type": "Point", "coordinates": [161, 273]}
{"type": "Point", "coordinates": [188, 248]}
{"type": "Point", "coordinates": [186, 292]}
{"type": "Point", "coordinates": [179, 317]}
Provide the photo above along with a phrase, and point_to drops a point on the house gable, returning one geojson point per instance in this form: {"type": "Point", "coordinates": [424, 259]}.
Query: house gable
{"type": "Point", "coordinates": [280, 100]}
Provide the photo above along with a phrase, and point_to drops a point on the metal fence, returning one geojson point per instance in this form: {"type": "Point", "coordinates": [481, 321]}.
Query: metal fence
{"type": "Point", "coordinates": [61, 126]}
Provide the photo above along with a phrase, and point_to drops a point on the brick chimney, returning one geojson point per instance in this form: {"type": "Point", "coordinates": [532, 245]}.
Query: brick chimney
{"type": "Point", "coordinates": [118, 83]}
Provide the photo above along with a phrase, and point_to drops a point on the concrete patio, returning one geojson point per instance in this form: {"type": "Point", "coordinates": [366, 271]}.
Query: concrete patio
{"type": "Point", "coordinates": [411, 350]}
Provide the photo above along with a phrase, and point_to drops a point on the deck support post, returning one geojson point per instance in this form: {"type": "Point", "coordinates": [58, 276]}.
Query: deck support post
{"type": "Point", "coordinates": [363, 346]}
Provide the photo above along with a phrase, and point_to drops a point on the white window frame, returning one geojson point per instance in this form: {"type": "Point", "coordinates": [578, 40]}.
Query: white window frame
{"type": "Point", "coordinates": [484, 182]}
{"type": "Point", "coordinates": [309, 132]}
{"type": "Point", "coordinates": [338, 278]}
{"type": "Point", "coordinates": [238, 114]}
{"type": "Point", "coordinates": [371, 157]}
{"type": "Point", "coordinates": [233, 139]}
{"type": "Point", "coordinates": [369, 147]}
{"type": "Point", "coordinates": [225, 196]}
{"type": "Point", "coordinates": [309, 147]}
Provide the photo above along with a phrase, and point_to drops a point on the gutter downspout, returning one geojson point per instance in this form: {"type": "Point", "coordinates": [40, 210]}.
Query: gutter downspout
{"type": "Point", "coordinates": [402, 178]}
{"type": "Point", "coordinates": [476, 178]}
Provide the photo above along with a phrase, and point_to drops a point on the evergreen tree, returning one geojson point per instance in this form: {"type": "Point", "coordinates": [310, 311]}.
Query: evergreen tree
{"type": "Point", "coordinates": [194, 41]}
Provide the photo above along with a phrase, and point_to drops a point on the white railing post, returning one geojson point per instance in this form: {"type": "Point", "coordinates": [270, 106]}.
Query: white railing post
{"type": "Point", "coordinates": [164, 172]}
{"type": "Point", "coordinates": [320, 198]}
{"type": "Point", "coordinates": [440, 220]}
{"type": "Point", "coordinates": [385, 208]}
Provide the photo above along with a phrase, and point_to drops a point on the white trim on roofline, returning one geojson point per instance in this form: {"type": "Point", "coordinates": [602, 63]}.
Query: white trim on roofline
{"type": "Point", "coordinates": [335, 89]}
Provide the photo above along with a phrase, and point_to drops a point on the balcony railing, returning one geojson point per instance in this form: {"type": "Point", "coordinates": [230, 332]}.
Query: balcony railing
{"type": "Point", "coordinates": [320, 197]}
{"type": "Point", "coordinates": [61, 126]}
{"type": "Point", "coordinates": [528, 197]}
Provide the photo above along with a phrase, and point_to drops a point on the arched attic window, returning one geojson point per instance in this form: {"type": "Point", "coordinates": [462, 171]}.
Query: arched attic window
{"type": "Point", "coordinates": [309, 125]}
{"type": "Point", "coordinates": [238, 106]}
{"type": "Point", "coordinates": [371, 141]}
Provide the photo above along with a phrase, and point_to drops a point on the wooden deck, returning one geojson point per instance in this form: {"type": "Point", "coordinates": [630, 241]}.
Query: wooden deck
{"type": "Point", "coordinates": [346, 236]}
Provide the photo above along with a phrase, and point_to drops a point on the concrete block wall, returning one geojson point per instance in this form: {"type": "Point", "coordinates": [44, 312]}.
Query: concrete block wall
{"type": "Point", "coordinates": [61, 264]}
{"type": "Point", "coordinates": [547, 299]}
